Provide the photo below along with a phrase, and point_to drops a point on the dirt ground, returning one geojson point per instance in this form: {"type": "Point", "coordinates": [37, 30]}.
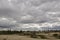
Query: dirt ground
{"type": "Point", "coordinates": [17, 37]}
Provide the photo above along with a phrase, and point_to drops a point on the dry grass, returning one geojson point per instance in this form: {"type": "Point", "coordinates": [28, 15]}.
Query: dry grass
{"type": "Point", "coordinates": [29, 35]}
{"type": "Point", "coordinates": [15, 37]}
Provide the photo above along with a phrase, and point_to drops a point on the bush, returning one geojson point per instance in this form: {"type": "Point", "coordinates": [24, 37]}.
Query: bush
{"type": "Point", "coordinates": [4, 39]}
{"type": "Point", "coordinates": [42, 37]}
{"type": "Point", "coordinates": [59, 37]}
{"type": "Point", "coordinates": [33, 36]}
{"type": "Point", "coordinates": [56, 36]}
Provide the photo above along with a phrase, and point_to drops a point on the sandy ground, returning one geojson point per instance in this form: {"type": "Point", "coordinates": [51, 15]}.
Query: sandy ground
{"type": "Point", "coordinates": [17, 37]}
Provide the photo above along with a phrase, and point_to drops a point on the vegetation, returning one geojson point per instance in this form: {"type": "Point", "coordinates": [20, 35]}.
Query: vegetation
{"type": "Point", "coordinates": [56, 36]}
{"type": "Point", "coordinates": [4, 39]}
{"type": "Point", "coordinates": [43, 37]}
{"type": "Point", "coordinates": [34, 34]}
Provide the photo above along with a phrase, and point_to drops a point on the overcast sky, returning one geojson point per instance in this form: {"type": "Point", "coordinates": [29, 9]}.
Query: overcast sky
{"type": "Point", "coordinates": [29, 14]}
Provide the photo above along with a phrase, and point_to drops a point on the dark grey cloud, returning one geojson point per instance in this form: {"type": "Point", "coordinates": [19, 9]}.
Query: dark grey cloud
{"type": "Point", "coordinates": [31, 12]}
{"type": "Point", "coordinates": [49, 28]}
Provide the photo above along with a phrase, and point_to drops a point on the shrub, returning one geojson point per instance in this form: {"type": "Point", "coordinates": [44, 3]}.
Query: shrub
{"type": "Point", "coordinates": [4, 39]}
{"type": "Point", "coordinates": [43, 37]}
{"type": "Point", "coordinates": [56, 36]}
{"type": "Point", "coordinates": [59, 37]}
{"type": "Point", "coordinates": [33, 36]}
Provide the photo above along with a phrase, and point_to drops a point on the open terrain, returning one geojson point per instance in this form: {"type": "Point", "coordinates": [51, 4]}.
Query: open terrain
{"type": "Point", "coordinates": [16, 37]}
{"type": "Point", "coordinates": [29, 35]}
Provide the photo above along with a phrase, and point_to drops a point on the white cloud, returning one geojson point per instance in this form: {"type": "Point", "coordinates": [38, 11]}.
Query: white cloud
{"type": "Point", "coordinates": [6, 22]}
{"type": "Point", "coordinates": [27, 17]}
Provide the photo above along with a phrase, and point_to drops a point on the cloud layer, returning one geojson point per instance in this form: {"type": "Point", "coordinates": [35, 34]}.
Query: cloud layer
{"type": "Point", "coordinates": [30, 14]}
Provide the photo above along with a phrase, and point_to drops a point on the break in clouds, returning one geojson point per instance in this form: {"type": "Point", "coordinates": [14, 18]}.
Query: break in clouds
{"type": "Point", "coordinates": [30, 14]}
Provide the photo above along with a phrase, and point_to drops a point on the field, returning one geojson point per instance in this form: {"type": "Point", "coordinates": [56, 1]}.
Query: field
{"type": "Point", "coordinates": [16, 37]}
{"type": "Point", "coordinates": [29, 35]}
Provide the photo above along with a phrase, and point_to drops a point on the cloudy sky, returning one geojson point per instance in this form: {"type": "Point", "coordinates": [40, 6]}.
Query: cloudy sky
{"type": "Point", "coordinates": [29, 14]}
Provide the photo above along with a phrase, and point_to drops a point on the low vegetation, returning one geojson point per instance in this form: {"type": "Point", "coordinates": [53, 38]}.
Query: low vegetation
{"type": "Point", "coordinates": [56, 36]}
{"type": "Point", "coordinates": [4, 39]}
{"type": "Point", "coordinates": [34, 34]}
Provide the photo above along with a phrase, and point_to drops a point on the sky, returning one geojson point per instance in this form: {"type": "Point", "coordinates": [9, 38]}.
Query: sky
{"type": "Point", "coordinates": [29, 14]}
